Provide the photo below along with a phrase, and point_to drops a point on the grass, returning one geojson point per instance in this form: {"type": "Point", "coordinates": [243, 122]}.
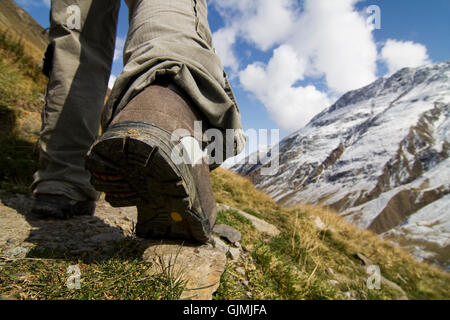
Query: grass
{"type": "Point", "coordinates": [306, 261]}
{"type": "Point", "coordinates": [21, 98]}
{"type": "Point", "coordinates": [309, 262]}
{"type": "Point", "coordinates": [22, 26]}
{"type": "Point", "coordinates": [121, 277]}
{"type": "Point", "coordinates": [15, 48]}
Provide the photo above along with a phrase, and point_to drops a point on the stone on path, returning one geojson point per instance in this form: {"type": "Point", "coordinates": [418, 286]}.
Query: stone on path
{"type": "Point", "coordinates": [259, 224]}
{"type": "Point", "coordinates": [227, 232]}
{"type": "Point", "coordinates": [200, 266]}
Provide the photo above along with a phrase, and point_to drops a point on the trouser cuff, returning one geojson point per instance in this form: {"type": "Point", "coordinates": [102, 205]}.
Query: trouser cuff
{"type": "Point", "coordinates": [65, 189]}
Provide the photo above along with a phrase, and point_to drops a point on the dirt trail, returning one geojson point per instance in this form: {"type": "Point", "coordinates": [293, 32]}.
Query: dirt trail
{"type": "Point", "coordinates": [97, 237]}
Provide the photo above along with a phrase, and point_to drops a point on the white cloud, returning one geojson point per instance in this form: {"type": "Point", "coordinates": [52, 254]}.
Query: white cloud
{"type": "Point", "coordinates": [327, 39]}
{"type": "Point", "coordinates": [399, 54]}
{"type": "Point", "coordinates": [118, 51]}
{"type": "Point", "coordinates": [263, 23]}
{"type": "Point", "coordinates": [112, 80]}
{"type": "Point", "coordinates": [290, 106]}
{"type": "Point", "coordinates": [321, 39]}
{"type": "Point", "coordinates": [338, 42]}
{"type": "Point", "coordinates": [224, 40]}
{"type": "Point", "coordinates": [270, 23]}
{"type": "Point", "coordinates": [335, 38]}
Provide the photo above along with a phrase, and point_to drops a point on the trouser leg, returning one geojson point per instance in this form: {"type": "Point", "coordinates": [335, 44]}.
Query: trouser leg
{"type": "Point", "coordinates": [82, 35]}
{"type": "Point", "coordinates": [171, 38]}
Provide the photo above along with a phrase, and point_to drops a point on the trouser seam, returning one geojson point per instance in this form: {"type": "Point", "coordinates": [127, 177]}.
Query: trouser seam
{"type": "Point", "coordinates": [196, 19]}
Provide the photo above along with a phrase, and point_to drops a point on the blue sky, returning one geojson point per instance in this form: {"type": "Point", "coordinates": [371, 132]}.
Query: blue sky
{"type": "Point", "coordinates": [290, 59]}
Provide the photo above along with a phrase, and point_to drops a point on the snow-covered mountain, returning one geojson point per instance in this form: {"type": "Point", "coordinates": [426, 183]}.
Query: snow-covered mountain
{"type": "Point", "coordinates": [380, 156]}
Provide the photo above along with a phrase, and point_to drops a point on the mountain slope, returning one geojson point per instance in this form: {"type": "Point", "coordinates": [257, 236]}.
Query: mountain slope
{"type": "Point", "coordinates": [379, 156]}
{"type": "Point", "coordinates": [20, 25]}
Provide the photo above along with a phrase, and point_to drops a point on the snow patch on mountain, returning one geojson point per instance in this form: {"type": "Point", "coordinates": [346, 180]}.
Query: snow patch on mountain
{"type": "Point", "coordinates": [379, 155]}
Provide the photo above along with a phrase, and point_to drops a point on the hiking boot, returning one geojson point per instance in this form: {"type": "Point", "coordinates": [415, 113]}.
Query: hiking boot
{"type": "Point", "coordinates": [61, 207]}
{"type": "Point", "coordinates": [134, 163]}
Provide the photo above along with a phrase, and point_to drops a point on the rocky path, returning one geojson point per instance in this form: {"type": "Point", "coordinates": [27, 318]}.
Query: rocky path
{"type": "Point", "coordinates": [200, 266]}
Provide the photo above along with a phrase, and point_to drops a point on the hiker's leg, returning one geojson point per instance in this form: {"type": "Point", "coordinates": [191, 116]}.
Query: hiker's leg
{"type": "Point", "coordinates": [82, 35]}
{"type": "Point", "coordinates": [173, 39]}
{"type": "Point", "coordinates": [172, 78]}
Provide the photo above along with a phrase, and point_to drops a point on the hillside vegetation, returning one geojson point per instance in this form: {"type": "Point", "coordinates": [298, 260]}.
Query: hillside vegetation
{"type": "Point", "coordinates": [22, 88]}
{"type": "Point", "coordinates": [19, 24]}
{"type": "Point", "coordinates": [314, 257]}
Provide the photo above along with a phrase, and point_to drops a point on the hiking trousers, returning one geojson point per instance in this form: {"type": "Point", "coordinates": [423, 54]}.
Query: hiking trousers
{"type": "Point", "coordinates": [166, 38]}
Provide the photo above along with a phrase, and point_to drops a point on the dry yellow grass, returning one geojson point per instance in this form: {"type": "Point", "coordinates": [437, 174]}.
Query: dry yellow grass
{"type": "Point", "coordinates": [22, 27]}
{"type": "Point", "coordinates": [30, 49]}
{"type": "Point", "coordinates": [236, 191]}
{"type": "Point", "coordinates": [315, 253]}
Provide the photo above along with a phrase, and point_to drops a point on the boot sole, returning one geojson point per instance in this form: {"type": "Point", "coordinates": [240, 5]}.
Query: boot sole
{"type": "Point", "coordinates": [61, 210]}
{"type": "Point", "coordinates": [131, 163]}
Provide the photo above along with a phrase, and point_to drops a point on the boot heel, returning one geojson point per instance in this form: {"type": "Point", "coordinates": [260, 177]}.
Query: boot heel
{"type": "Point", "coordinates": [132, 163]}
